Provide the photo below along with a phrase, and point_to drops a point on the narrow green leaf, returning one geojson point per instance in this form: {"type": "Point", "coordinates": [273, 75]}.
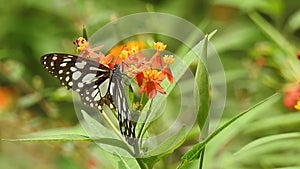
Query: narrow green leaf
{"type": "Point", "coordinates": [268, 139]}
{"type": "Point", "coordinates": [84, 33]}
{"type": "Point", "coordinates": [58, 138]}
{"type": "Point", "coordinates": [273, 34]}
{"type": "Point", "coordinates": [128, 163]}
{"type": "Point", "coordinates": [194, 152]}
{"type": "Point", "coordinates": [202, 86]}
{"type": "Point", "coordinates": [102, 135]}
{"type": "Point", "coordinates": [59, 135]}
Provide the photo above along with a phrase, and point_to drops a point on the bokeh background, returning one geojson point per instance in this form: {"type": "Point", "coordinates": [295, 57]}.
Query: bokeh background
{"type": "Point", "coordinates": [257, 57]}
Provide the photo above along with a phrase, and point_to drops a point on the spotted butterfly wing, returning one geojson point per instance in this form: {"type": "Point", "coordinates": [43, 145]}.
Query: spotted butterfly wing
{"type": "Point", "coordinates": [96, 84]}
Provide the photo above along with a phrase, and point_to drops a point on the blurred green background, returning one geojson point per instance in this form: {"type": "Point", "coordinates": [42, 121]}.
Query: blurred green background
{"type": "Point", "coordinates": [254, 62]}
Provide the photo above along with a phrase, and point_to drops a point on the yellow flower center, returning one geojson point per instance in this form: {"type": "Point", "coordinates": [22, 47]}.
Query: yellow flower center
{"type": "Point", "coordinates": [82, 44]}
{"type": "Point", "coordinates": [151, 74]}
{"type": "Point", "coordinates": [159, 46]}
{"type": "Point", "coordinates": [124, 54]}
{"type": "Point", "coordinates": [134, 50]}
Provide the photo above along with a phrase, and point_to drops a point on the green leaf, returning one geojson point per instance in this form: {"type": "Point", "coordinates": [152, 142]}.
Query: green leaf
{"type": "Point", "coordinates": [60, 135]}
{"type": "Point", "coordinates": [169, 145]}
{"type": "Point", "coordinates": [268, 139]}
{"type": "Point", "coordinates": [108, 159]}
{"type": "Point", "coordinates": [104, 136]}
{"type": "Point", "coordinates": [58, 138]}
{"type": "Point", "coordinates": [165, 148]}
{"type": "Point", "coordinates": [193, 154]}
{"type": "Point", "coordinates": [84, 33]}
{"type": "Point", "coordinates": [127, 163]}
{"type": "Point", "coordinates": [202, 86]}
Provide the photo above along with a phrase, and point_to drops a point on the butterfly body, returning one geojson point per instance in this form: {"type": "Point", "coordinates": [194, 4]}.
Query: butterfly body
{"type": "Point", "coordinates": [96, 84]}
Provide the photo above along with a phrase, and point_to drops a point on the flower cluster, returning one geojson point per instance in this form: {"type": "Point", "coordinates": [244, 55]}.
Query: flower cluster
{"type": "Point", "coordinates": [278, 65]}
{"type": "Point", "coordinates": [148, 73]}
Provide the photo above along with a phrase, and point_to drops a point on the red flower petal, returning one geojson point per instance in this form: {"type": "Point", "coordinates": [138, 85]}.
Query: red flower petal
{"type": "Point", "coordinates": [151, 91]}
{"type": "Point", "coordinates": [149, 88]}
{"type": "Point", "coordinates": [167, 71]}
{"type": "Point", "coordinates": [139, 78]}
{"type": "Point", "coordinates": [159, 88]}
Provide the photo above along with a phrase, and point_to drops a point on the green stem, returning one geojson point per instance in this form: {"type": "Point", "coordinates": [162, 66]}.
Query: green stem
{"type": "Point", "coordinates": [144, 123]}
{"type": "Point", "coordinates": [201, 158]}
{"type": "Point", "coordinates": [141, 163]}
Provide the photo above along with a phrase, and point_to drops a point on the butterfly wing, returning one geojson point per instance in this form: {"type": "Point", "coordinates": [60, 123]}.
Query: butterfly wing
{"type": "Point", "coordinates": [88, 78]}
{"type": "Point", "coordinates": [96, 84]}
{"type": "Point", "coordinates": [126, 124]}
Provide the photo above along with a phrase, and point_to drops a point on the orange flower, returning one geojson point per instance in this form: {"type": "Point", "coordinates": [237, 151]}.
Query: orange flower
{"type": "Point", "coordinates": [148, 73]}
{"type": "Point", "coordinates": [122, 52]}
{"type": "Point", "coordinates": [132, 47]}
{"type": "Point", "coordinates": [152, 85]}
{"type": "Point", "coordinates": [116, 50]}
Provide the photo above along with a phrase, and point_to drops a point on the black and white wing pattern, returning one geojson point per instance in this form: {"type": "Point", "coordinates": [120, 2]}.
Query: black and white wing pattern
{"type": "Point", "coordinates": [95, 83]}
{"type": "Point", "coordinates": [126, 124]}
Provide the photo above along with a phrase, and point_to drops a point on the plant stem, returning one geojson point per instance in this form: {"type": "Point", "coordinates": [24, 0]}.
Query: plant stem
{"type": "Point", "coordinates": [201, 158]}
{"type": "Point", "coordinates": [141, 163]}
{"type": "Point", "coordinates": [141, 132]}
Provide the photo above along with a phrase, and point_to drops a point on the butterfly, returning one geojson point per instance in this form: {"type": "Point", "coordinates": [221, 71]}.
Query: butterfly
{"type": "Point", "coordinates": [96, 84]}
